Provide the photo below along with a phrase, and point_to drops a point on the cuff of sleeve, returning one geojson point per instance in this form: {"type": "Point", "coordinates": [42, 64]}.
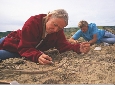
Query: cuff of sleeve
{"type": "Point", "coordinates": [36, 58]}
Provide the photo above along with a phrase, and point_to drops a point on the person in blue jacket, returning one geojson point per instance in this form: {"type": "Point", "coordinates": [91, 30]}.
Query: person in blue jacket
{"type": "Point", "coordinates": [92, 34]}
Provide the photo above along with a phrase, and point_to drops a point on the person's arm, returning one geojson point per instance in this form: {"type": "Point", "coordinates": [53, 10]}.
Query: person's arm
{"type": "Point", "coordinates": [72, 41]}
{"type": "Point", "coordinates": [63, 45]}
{"type": "Point", "coordinates": [94, 30]}
{"type": "Point", "coordinates": [30, 37]}
{"type": "Point", "coordinates": [93, 40]}
{"type": "Point", "coordinates": [75, 37]}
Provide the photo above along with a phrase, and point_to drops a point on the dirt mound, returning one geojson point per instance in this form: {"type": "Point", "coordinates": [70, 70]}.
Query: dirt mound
{"type": "Point", "coordinates": [98, 66]}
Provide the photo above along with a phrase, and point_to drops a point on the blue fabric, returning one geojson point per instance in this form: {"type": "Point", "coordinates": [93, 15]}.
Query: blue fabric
{"type": "Point", "coordinates": [108, 37]}
{"type": "Point", "coordinates": [88, 35]}
{"type": "Point", "coordinates": [4, 54]}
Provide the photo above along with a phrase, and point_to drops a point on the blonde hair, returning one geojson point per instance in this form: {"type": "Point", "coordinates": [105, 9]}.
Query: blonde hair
{"type": "Point", "coordinates": [82, 23]}
{"type": "Point", "coordinates": [59, 13]}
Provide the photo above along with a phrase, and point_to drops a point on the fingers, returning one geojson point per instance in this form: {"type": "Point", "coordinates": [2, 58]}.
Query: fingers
{"type": "Point", "coordinates": [40, 61]}
{"type": "Point", "coordinates": [84, 47]}
{"type": "Point", "coordinates": [72, 41]}
{"type": "Point", "coordinates": [45, 59]}
{"type": "Point", "coordinates": [87, 44]}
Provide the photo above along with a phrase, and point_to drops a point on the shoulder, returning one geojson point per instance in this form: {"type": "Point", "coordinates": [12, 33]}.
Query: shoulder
{"type": "Point", "coordinates": [35, 19]}
{"type": "Point", "coordinates": [91, 25]}
{"type": "Point", "coordinates": [38, 17]}
{"type": "Point", "coordinates": [78, 32]}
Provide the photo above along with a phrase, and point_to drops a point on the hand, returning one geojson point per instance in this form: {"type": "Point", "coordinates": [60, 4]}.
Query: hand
{"type": "Point", "coordinates": [84, 47]}
{"type": "Point", "coordinates": [45, 59]}
{"type": "Point", "coordinates": [73, 41]}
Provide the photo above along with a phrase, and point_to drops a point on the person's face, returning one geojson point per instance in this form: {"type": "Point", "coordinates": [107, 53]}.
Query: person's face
{"type": "Point", "coordinates": [54, 25]}
{"type": "Point", "coordinates": [84, 28]}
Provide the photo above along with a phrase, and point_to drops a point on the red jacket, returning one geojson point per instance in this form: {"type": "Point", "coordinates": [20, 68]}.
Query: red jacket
{"type": "Point", "coordinates": [24, 41]}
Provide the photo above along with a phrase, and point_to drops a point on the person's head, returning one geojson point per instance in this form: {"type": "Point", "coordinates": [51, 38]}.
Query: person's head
{"type": "Point", "coordinates": [83, 25]}
{"type": "Point", "coordinates": [56, 20]}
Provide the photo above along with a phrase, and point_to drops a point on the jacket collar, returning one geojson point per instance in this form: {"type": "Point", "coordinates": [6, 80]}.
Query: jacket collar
{"type": "Point", "coordinates": [44, 20]}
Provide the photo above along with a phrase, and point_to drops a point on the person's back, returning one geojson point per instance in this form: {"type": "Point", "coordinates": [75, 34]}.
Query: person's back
{"type": "Point", "coordinates": [93, 29]}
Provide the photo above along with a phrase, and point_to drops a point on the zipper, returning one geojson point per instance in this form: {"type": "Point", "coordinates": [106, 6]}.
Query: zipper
{"type": "Point", "coordinates": [39, 43]}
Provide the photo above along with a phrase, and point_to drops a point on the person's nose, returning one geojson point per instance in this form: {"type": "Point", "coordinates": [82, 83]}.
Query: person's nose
{"type": "Point", "coordinates": [83, 30]}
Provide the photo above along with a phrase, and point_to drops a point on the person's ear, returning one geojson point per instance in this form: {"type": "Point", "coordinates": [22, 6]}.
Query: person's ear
{"type": "Point", "coordinates": [49, 16]}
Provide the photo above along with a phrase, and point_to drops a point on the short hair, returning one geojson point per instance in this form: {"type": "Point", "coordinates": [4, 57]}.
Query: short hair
{"type": "Point", "coordinates": [82, 23]}
{"type": "Point", "coordinates": [59, 13]}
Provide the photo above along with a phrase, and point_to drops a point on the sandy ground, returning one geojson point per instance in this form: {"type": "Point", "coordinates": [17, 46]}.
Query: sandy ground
{"type": "Point", "coordinates": [96, 67]}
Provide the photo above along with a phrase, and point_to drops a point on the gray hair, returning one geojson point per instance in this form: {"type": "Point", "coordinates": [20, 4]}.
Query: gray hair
{"type": "Point", "coordinates": [60, 13]}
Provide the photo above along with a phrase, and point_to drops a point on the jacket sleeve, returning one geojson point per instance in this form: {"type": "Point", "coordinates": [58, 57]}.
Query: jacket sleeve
{"type": "Point", "coordinates": [29, 39]}
{"type": "Point", "coordinates": [63, 45]}
{"type": "Point", "coordinates": [77, 35]}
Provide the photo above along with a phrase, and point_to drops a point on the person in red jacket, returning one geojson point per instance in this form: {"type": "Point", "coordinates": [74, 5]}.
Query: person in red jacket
{"type": "Point", "coordinates": [38, 34]}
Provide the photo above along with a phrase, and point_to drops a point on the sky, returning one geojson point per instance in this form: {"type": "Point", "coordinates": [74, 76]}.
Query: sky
{"type": "Point", "coordinates": [14, 13]}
